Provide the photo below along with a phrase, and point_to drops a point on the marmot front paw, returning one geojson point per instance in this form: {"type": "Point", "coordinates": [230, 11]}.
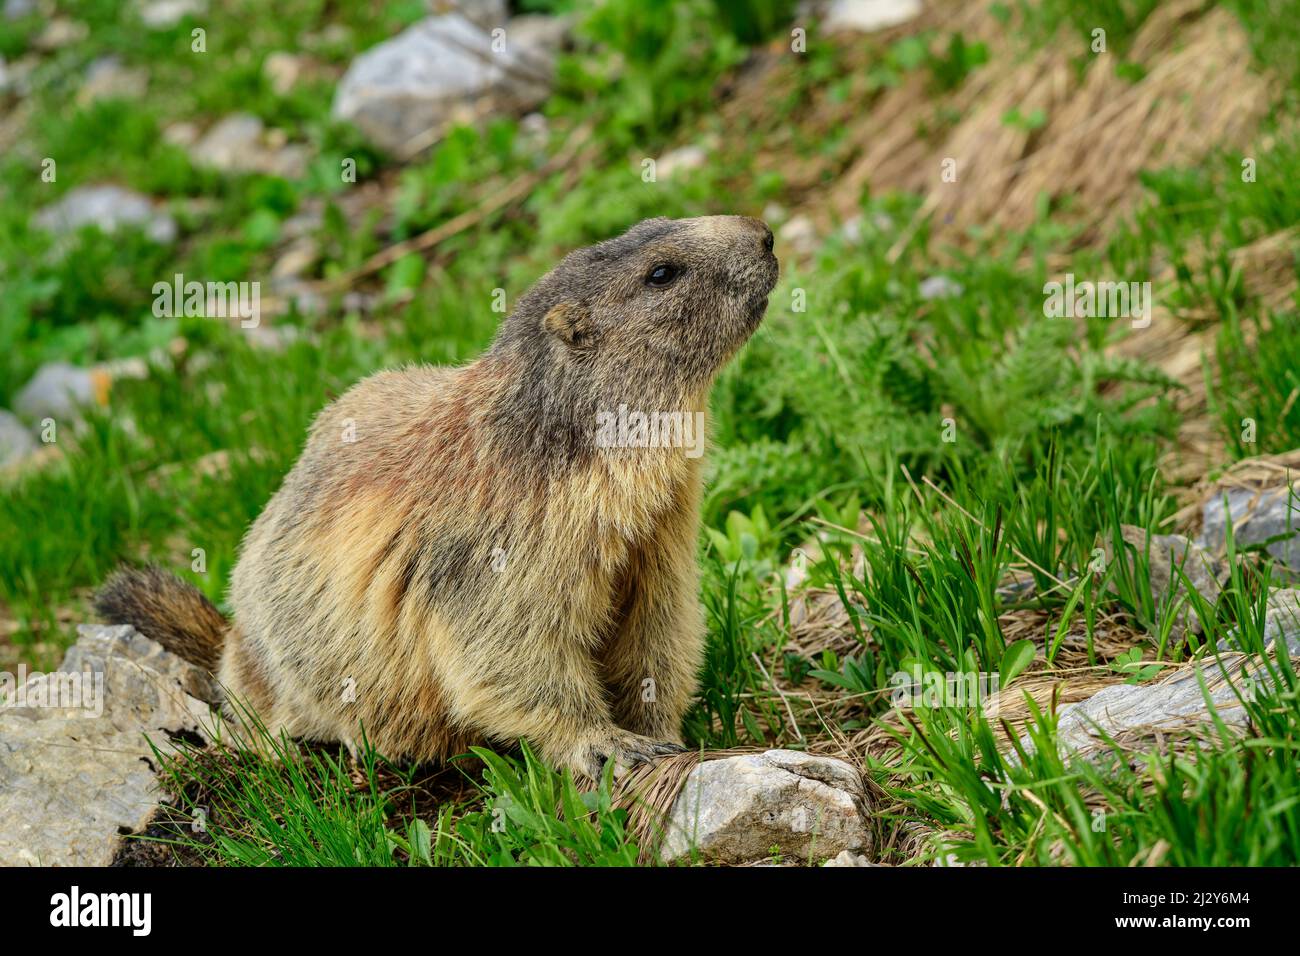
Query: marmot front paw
{"type": "Point", "coordinates": [623, 747]}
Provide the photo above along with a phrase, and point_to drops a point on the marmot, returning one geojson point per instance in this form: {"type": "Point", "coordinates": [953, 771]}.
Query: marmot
{"type": "Point", "coordinates": [457, 557]}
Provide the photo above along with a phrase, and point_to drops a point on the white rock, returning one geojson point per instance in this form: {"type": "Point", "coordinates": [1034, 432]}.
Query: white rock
{"type": "Point", "coordinates": [443, 69]}
{"type": "Point", "coordinates": [239, 143]}
{"type": "Point", "coordinates": [165, 14]}
{"type": "Point", "coordinates": [940, 287]}
{"type": "Point", "coordinates": [58, 390]}
{"type": "Point", "coordinates": [867, 16]}
{"type": "Point", "coordinates": [849, 858]}
{"type": "Point", "coordinates": [109, 208]}
{"type": "Point", "coordinates": [181, 134]}
{"type": "Point", "coordinates": [737, 809]}
{"type": "Point", "coordinates": [60, 32]}
{"type": "Point", "coordinates": [282, 71]}
{"type": "Point", "coordinates": [107, 77]}
{"type": "Point", "coordinates": [800, 234]}
{"type": "Point", "coordinates": [679, 161]}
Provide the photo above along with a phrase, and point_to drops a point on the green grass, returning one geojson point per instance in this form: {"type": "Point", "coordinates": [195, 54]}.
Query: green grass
{"type": "Point", "coordinates": [833, 412]}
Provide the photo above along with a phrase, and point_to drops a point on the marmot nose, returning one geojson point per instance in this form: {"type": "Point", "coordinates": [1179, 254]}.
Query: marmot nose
{"type": "Point", "coordinates": [765, 236]}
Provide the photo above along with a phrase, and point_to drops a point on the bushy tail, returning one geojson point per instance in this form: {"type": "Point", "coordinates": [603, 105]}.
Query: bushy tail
{"type": "Point", "coordinates": [161, 606]}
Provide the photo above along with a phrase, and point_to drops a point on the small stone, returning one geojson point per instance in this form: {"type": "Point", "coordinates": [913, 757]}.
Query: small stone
{"type": "Point", "coordinates": [1175, 704]}
{"type": "Point", "coordinates": [740, 809]}
{"type": "Point", "coordinates": [16, 442]}
{"type": "Point", "coordinates": [679, 161]}
{"type": "Point", "coordinates": [359, 302]}
{"type": "Point", "coordinates": [165, 14]}
{"type": "Point", "coordinates": [107, 78]}
{"type": "Point", "coordinates": [282, 71]}
{"type": "Point", "coordinates": [940, 287]}
{"type": "Point", "coordinates": [181, 134]}
{"type": "Point", "coordinates": [848, 858]}
{"type": "Point", "coordinates": [297, 259]}
{"type": "Point", "coordinates": [800, 234]}
{"type": "Point", "coordinates": [240, 143]}
{"type": "Point", "coordinates": [108, 208]}
{"type": "Point", "coordinates": [60, 32]}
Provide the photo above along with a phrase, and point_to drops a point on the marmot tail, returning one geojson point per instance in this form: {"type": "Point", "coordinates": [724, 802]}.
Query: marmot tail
{"type": "Point", "coordinates": [172, 612]}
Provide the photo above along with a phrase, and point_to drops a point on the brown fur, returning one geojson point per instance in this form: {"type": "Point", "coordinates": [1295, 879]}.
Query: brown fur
{"type": "Point", "coordinates": [169, 610]}
{"type": "Point", "coordinates": [366, 599]}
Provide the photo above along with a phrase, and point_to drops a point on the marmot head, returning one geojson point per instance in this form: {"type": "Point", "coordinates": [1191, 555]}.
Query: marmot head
{"type": "Point", "coordinates": [642, 322]}
{"type": "Point", "coordinates": [651, 315]}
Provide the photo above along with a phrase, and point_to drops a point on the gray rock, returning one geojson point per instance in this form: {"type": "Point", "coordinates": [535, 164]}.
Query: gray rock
{"type": "Point", "coordinates": [1257, 516]}
{"type": "Point", "coordinates": [868, 16]}
{"type": "Point", "coordinates": [75, 762]}
{"type": "Point", "coordinates": [16, 442]}
{"type": "Point", "coordinates": [441, 70]}
{"type": "Point", "coordinates": [108, 208]}
{"type": "Point", "coordinates": [17, 9]}
{"type": "Point", "coordinates": [737, 809]}
{"type": "Point", "coordinates": [107, 78]}
{"type": "Point", "coordinates": [940, 287]}
{"type": "Point", "coordinates": [1171, 705]}
{"type": "Point", "coordinates": [1281, 620]}
{"type": "Point", "coordinates": [239, 143]}
{"type": "Point", "coordinates": [1177, 702]}
{"type": "Point", "coordinates": [59, 390]}
{"type": "Point", "coordinates": [1168, 554]}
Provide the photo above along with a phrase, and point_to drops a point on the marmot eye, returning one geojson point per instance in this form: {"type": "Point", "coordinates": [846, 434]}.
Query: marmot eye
{"type": "Point", "coordinates": [661, 275]}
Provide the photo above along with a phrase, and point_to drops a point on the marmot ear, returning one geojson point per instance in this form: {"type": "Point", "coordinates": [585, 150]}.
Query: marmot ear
{"type": "Point", "coordinates": [571, 323]}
